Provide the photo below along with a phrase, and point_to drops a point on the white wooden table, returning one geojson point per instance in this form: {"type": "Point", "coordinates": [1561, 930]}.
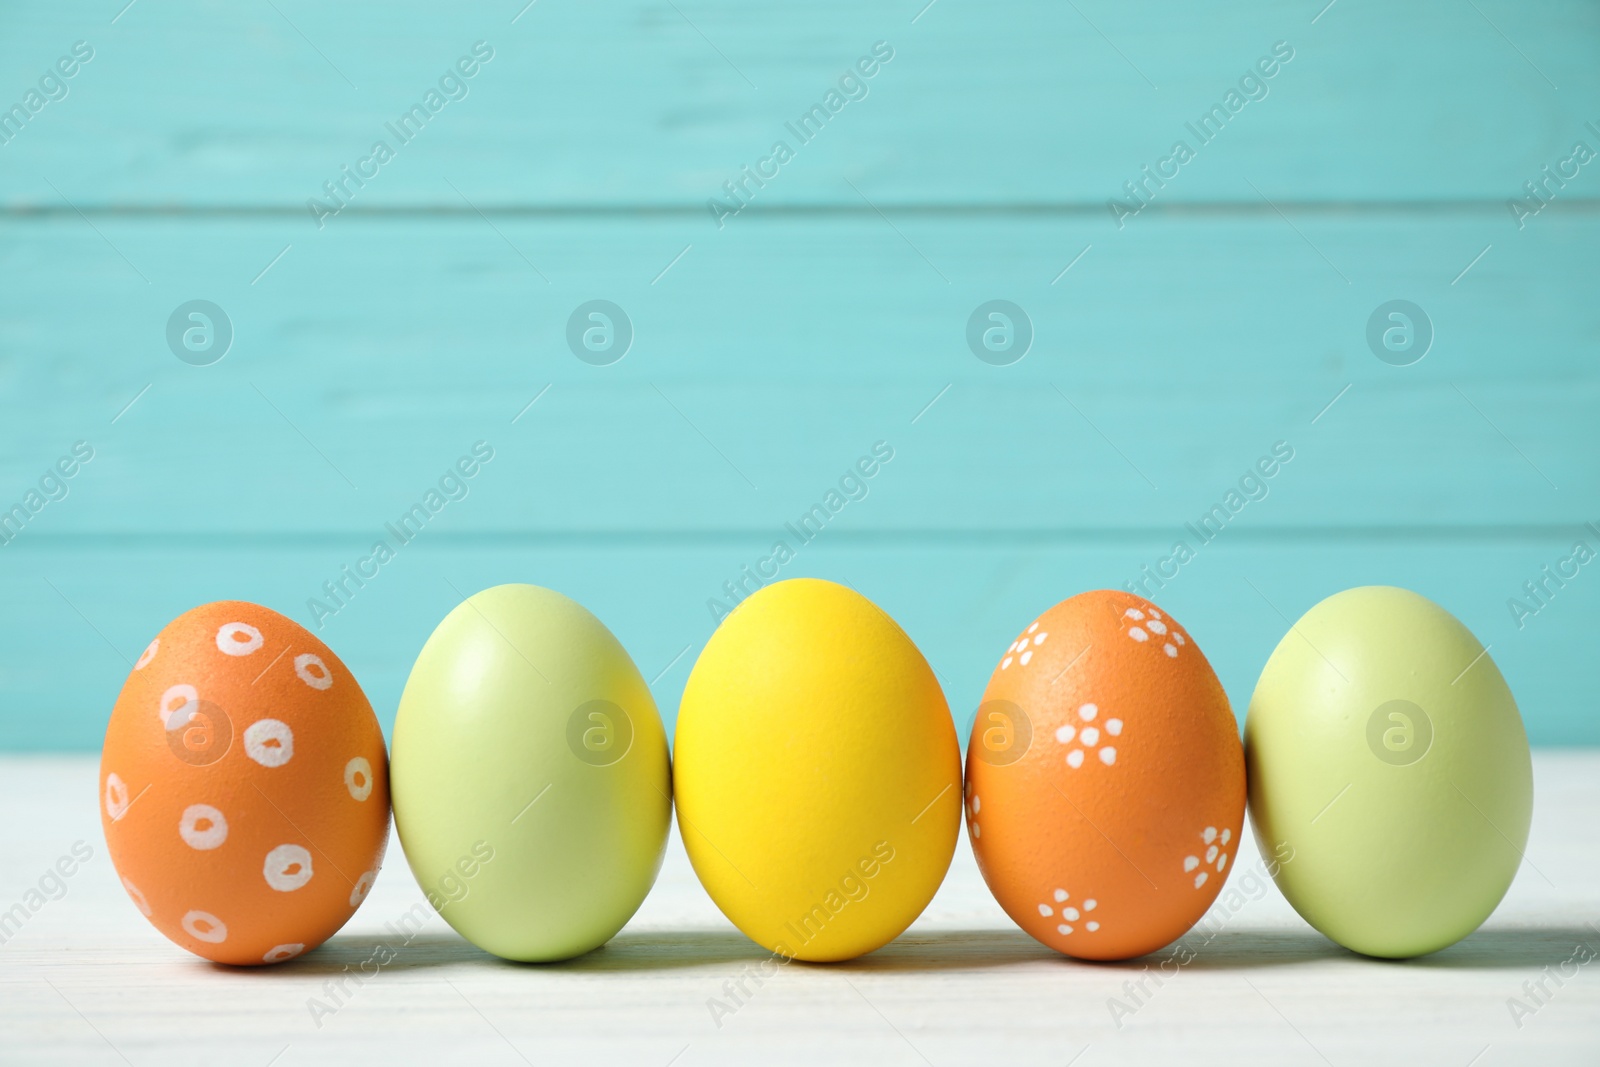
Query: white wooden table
{"type": "Point", "coordinates": [86, 980]}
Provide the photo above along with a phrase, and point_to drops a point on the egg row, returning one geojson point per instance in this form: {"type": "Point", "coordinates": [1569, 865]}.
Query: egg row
{"type": "Point", "coordinates": [817, 777]}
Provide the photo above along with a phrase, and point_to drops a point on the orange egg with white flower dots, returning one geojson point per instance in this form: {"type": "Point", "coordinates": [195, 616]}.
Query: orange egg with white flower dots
{"type": "Point", "coordinates": [244, 786]}
{"type": "Point", "coordinates": [1105, 785]}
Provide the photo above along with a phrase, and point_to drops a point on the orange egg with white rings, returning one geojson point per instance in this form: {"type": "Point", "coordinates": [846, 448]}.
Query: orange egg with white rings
{"type": "Point", "coordinates": [243, 786]}
{"type": "Point", "coordinates": [1105, 787]}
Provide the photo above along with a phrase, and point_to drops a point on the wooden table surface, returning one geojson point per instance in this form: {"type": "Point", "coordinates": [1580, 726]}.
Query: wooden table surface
{"type": "Point", "coordinates": [86, 980]}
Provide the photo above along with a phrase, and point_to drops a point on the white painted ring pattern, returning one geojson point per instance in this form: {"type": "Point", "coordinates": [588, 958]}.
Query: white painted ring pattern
{"type": "Point", "coordinates": [238, 639]}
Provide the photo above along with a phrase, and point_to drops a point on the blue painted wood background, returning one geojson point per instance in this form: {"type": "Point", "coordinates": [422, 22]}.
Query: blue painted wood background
{"type": "Point", "coordinates": [374, 346]}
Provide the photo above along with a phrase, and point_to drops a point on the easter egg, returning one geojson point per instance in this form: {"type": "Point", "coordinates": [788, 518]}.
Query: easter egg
{"type": "Point", "coordinates": [1388, 763]}
{"type": "Point", "coordinates": [532, 785]}
{"type": "Point", "coordinates": [1105, 779]}
{"type": "Point", "coordinates": [818, 773]}
{"type": "Point", "coordinates": [243, 786]}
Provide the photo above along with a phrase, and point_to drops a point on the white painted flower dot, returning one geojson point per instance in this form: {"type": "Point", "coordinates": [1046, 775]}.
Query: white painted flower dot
{"type": "Point", "coordinates": [1032, 628]}
{"type": "Point", "coordinates": [1134, 613]}
{"type": "Point", "coordinates": [1108, 755]}
{"type": "Point", "coordinates": [203, 827]}
{"type": "Point", "coordinates": [288, 867]}
{"type": "Point", "coordinates": [1064, 929]}
{"type": "Point", "coordinates": [1090, 736]}
{"type": "Point", "coordinates": [1045, 910]}
{"type": "Point", "coordinates": [283, 952]}
{"type": "Point", "coordinates": [1190, 863]}
{"type": "Point", "coordinates": [1026, 656]}
{"type": "Point", "coordinates": [204, 926]}
{"type": "Point", "coordinates": [1070, 914]}
{"type": "Point", "coordinates": [977, 805]}
{"type": "Point", "coordinates": [1177, 637]}
{"type": "Point", "coordinates": [1222, 862]}
{"type": "Point", "coordinates": [1087, 712]}
{"type": "Point", "coordinates": [1154, 614]}
{"type": "Point", "coordinates": [1090, 904]}
{"type": "Point", "coordinates": [977, 831]}
{"type": "Point", "coordinates": [1005, 663]}
{"type": "Point", "coordinates": [1092, 926]}
{"type": "Point", "coordinates": [137, 897]}
{"type": "Point", "coordinates": [269, 742]}
{"type": "Point", "coordinates": [1209, 834]}
{"type": "Point", "coordinates": [1226, 834]}
{"type": "Point", "coordinates": [116, 796]}
{"type": "Point", "coordinates": [148, 654]}
{"type": "Point", "coordinates": [176, 704]}
{"type": "Point", "coordinates": [1172, 652]}
{"type": "Point", "coordinates": [1211, 854]}
{"type": "Point", "coordinates": [1138, 634]}
{"type": "Point", "coordinates": [312, 671]}
{"type": "Point", "coordinates": [1200, 879]}
{"type": "Point", "coordinates": [1156, 626]}
{"type": "Point", "coordinates": [1066, 733]}
{"type": "Point", "coordinates": [238, 639]}
{"type": "Point", "coordinates": [1038, 639]}
{"type": "Point", "coordinates": [1061, 894]}
{"type": "Point", "coordinates": [363, 886]}
{"type": "Point", "coordinates": [358, 778]}
{"type": "Point", "coordinates": [1075, 758]}
{"type": "Point", "coordinates": [1114, 727]}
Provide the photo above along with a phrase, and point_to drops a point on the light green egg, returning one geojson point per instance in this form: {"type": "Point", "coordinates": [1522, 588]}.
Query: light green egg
{"type": "Point", "coordinates": [530, 776]}
{"type": "Point", "coordinates": [1390, 783]}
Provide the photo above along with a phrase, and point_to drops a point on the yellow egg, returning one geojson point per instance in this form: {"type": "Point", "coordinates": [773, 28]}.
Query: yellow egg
{"type": "Point", "coordinates": [817, 772]}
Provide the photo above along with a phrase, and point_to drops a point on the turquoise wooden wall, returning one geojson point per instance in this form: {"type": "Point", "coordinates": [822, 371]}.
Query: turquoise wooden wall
{"type": "Point", "coordinates": [1172, 347]}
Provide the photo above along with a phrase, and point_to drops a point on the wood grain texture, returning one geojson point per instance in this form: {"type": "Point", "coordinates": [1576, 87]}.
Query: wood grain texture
{"type": "Point", "coordinates": [771, 353]}
{"type": "Point", "coordinates": [84, 613]}
{"type": "Point", "coordinates": [769, 359]}
{"type": "Point", "coordinates": [86, 980]}
{"type": "Point", "coordinates": [659, 103]}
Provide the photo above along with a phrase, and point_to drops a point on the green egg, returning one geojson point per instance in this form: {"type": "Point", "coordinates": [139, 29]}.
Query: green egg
{"type": "Point", "coordinates": [1390, 782]}
{"type": "Point", "coordinates": [530, 776]}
